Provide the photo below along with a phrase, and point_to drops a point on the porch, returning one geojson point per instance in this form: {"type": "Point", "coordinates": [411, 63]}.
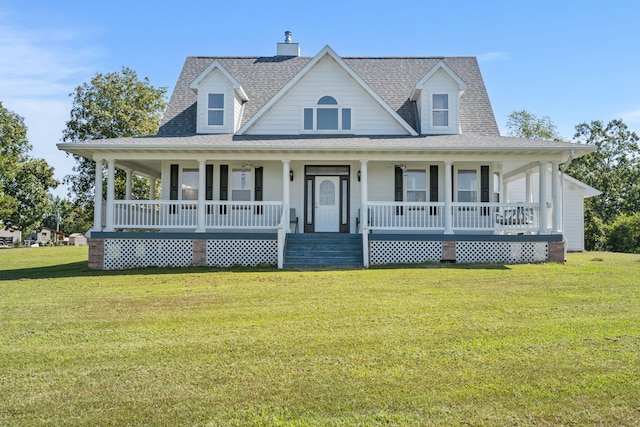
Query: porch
{"type": "Point", "coordinates": [193, 223]}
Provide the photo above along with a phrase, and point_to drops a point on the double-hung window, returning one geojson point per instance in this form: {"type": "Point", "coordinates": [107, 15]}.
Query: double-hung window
{"type": "Point", "coordinates": [215, 109]}
{"type": "Point", "coordinates": [467, 186]}
{"type": "Point", "coordinates": [327, 116]}
{"type": "Point", "coordinates": [241, 185]}
{"type": "Point", "coordinates": [416, 186]}
{"type": "Point", "coordinates": [190, 183]}
{"type": "Point", "coordinates": [440, 109]}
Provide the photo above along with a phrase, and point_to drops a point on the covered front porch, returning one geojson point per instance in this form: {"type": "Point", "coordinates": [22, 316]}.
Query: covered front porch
{"type": "Point", "coordinates": [186, 212]}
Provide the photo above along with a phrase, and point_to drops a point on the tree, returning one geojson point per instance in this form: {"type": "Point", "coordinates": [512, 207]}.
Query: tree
{"type": "Point", "coordinates": [67, 216]}
{"type": "Point", "coordinates": [111, 105]}
{"type": "Point", "coordinates": [614, 168]}
{"type": "Point", "coordinates": [24, 181]}
{"type": "Point", "coordinates": [523, 124]}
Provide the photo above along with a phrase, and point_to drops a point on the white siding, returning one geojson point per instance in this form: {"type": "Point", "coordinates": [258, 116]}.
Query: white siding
{"type": "Point", "coordinates": [327, 78]}
{"type": "Point", "coordinates": [573, 217]}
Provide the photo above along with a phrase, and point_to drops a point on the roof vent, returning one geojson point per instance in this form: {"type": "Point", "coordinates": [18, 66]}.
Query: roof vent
{"type": "Point", "coordinates": [288, 48]}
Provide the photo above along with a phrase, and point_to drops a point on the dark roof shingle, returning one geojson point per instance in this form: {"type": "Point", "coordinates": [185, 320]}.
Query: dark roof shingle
{"type": "Point", "coordinates": [393, 79]}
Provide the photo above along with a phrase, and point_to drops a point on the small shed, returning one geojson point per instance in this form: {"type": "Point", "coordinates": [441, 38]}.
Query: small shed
{"type": "Point", "coordinates": [77, 239]}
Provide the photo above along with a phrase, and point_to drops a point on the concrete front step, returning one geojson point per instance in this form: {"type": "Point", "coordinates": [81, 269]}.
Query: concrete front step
{"type": "Point", "coordinates": [323, 250]}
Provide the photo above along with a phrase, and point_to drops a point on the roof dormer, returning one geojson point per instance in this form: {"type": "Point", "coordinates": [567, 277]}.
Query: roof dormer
{"type": "Point", "coordinates": [437, 96]}
{"type": "Point", "coordinates": [219, 100]}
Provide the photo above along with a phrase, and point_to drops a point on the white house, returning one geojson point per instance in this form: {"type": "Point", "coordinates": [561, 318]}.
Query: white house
{"type": "Point", "coordinates": [300, 161]}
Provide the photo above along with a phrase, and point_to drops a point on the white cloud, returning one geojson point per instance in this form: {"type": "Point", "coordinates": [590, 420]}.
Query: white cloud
{"type": "Point", "coordinates": [38, 70]}
{"type": "Point", "coordinates": [492, 56]}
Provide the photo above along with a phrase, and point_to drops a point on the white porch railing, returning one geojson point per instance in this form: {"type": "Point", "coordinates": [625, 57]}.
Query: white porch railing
{"type": "Point", "coordinates": [181, 214]}
{"type": "Point", "coordinates": [520, 217]}
{"type": "Point", "coordinates": [405, 216]}
{"type": "Point", "coordinates": [251, 215]}
{"type": "Point", "coordinates": [516, 217]}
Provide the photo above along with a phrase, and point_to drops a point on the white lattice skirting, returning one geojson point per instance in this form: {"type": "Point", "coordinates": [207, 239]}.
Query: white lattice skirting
{"type": "Point", "coordinates": [501, 252]}
{"type": "Point", "coordinates": [120, 254]}
{"type": "Point", "coordinates": [405, 252]}
{"type": "Point", "coordinates": [136, 253]}
{"type": "Point", "coordinates": [225, 253]}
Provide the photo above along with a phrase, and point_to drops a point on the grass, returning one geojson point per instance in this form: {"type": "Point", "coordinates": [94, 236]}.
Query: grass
{"type": "Point", "coordinates": [429, 345]}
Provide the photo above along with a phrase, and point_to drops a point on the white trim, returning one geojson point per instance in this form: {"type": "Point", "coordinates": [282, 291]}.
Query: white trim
{"type": "Point", "coordinates": [326, 51]}
{"type": "Point", "coordinates": [195, 85]}
{"type": "Point", "coordinates": [462, 86]}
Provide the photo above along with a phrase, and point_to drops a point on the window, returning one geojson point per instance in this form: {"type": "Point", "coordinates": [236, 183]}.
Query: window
{"type": "Point", "coordinates": [440, 109]}
{"type": "Point", "coordinates": [241, 184]}
{"type": "Point", "coordinates": [416, 186]}
{"type": "Point", "coordinates": [467, 186]}
{"type": "Point", "coordinates": [327, 116]}
{"type": "Point", "coordinates": [215, 109]}
{"type": "Point", "coordinates": [190, 184]}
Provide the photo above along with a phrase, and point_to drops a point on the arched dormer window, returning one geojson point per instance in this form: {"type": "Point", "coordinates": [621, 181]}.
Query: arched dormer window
{"type": "Point", "coordinates": [327, 116]}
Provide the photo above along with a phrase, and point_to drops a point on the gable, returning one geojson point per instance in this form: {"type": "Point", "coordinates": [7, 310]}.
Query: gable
{"type": "Point", "coordinates": [327, 78]}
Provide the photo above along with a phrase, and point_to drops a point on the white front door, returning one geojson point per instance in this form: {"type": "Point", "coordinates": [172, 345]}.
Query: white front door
{"type": "Point", "coordinates": [327, 206]}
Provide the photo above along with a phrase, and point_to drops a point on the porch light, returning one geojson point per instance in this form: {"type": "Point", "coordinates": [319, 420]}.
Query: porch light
{"type": "Point", "coordinates": [358, 176]}
{"type": "Point", "coordinates": [291, 175]}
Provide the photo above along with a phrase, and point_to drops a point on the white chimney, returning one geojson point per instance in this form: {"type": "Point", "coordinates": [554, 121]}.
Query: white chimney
{"type": "Point", "coordinates": [288, 48]}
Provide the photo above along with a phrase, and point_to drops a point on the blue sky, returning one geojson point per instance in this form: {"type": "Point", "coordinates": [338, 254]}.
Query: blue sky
{"type": "Point", "coordinates": [573, 61]}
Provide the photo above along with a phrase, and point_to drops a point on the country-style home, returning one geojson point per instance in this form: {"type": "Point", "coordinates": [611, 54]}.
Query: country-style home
{"type": "Point", "coordinates": [325, 160]}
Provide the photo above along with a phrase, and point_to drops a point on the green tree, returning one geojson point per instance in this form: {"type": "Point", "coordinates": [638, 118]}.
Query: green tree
{"type": "Point", "coordinates": [111, 105]}
{"type": "Point", "coordinates": [624, 234]}
{"type": "Point", "coordinates": [614, 169]}
{"type": "Point", "coordinates": [24, 181]}
{"type": "Point", "coordinates": [523, 124]}
{"type": "Point", "coordinates": [66, 216]}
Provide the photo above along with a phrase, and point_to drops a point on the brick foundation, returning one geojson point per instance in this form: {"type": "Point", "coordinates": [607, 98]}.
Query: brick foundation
{"type": "Point", "coordinates": [448, 251]}
{"type": "Point", "coordinates": [199, 253]}
{"type": "Point", "coordinates": [557, 252]}
{"type": "Point", "coordinates": [96, 254]}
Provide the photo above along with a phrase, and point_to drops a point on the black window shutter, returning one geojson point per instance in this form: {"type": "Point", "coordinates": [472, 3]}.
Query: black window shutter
{"type": "Point", "coordinates": [433, 183]}
{"type": "Point", "coordinates": [399, 192]}
{"type": "Point", "coordinates": [484, 187]}
{"type": "Point", "coordinates": [209, 184]}
{"type": "Point", "coordinates": [257, 194]}
{"type": "Point", "coordinates": [173, 185]}
{"type": "Point", "coordinates": [433, 188]}
{"type": "Point", "coordinates": [224, 182]}
{"type": "Point", "coordinates": [258, 184]}
{"type": "Point", "coordinates": [224, 186]}
{"type": "Point", "coordinates": [484, 184]}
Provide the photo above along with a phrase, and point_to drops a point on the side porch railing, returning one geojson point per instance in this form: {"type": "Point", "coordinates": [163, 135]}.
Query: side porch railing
{"type": "Point", "coordinates": [509, 217]}
{"type": "Point", "coordinates": [182, 214]}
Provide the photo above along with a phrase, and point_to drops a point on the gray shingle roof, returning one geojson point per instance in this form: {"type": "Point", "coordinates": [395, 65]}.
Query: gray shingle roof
{"type": "Point", "coordinates": [393, 79]}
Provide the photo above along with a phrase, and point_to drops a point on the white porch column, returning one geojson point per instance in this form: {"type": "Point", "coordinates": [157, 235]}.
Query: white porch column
{"type": "Point", "coordinates": [556, 223]}
{"type": "Point", "coordinates": [127, 193]}
{"type": "Point", "coordinates": [152, 188]}
{"type": "Point", "coordinates": [364, 210]}
{"type": "Point", "coordinates": [97, 203]}
{"type": "Point", "coordinates": [528, 188]}
{"type": "Point", "coordinates": [202, 188]}
{"type": "Point", "coordinates": [448, 196]}
{"type": "Point", "coordinates": [285, 192]}
{"type": "Point", "coordinates": [542, 204]}
{"type": "Point", "coordinates": [111, 166]}
{"type": "Point", "coordinates": [364, 193]}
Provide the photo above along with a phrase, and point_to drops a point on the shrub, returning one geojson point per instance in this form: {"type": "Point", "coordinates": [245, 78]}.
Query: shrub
{"type": "Point", "coordinates": [624, 234]}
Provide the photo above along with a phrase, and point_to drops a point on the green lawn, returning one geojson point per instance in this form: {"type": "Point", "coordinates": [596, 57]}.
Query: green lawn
{"type": "Point", "coordinates": [436, 345]}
